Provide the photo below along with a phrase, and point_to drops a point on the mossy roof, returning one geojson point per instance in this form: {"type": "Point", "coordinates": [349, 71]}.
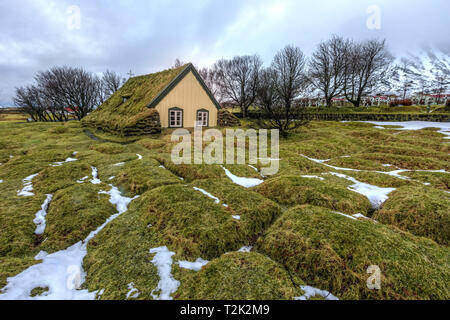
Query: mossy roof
{"type": "Point", "coordinates": [141, 93]}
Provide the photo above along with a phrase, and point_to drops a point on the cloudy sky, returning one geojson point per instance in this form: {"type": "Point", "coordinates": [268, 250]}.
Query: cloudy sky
{"type": "Point", "coordinates": [148, 35]}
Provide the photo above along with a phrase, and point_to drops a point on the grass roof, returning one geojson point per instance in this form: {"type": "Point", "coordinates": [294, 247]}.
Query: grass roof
{"type": "Point", "coordinates": [116, 113]}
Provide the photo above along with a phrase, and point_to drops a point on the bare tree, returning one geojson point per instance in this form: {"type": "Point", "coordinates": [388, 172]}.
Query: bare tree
{"type": "Point", "coordinates": [279, 90]}
{"type": "Point", "coordinates": [110, 82]}
{"type": "Point", "coordinates": [367, 65]}
{"type": "Point", "coordinates": [238, 80]}
{"type": "Point", "coordinates": [327, 68]}
{"type": "Point", "coordinates": [70, 88]}
{"type": "Point", "coordinates": [29, 100]}
{"type": "Point", "coordinates": [289, 64]}
{"type": "Point", "coordinates": [211, 78]}
{"type": "Point", "coordinates": [178, 63]}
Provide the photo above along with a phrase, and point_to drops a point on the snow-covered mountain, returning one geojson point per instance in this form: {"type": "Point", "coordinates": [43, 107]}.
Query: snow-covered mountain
{"type": "Point", "coordinates": [424, 71]}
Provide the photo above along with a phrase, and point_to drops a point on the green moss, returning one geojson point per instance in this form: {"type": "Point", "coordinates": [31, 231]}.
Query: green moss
{"type": "Point", "coordinates": [140, 176]}
{"type": "Point", "coordinates": [115, 114]}
{"type": "Point", "coordinates": [239, 276]}
{"type": "Point", "coordinates": [108, 148]}
{"type": "Point", "coordinates": [186, 221]}
{"type": "Point", "coordinates": [421, 211]}
{"type": "Point", "coordinates": [52, 179]}
{"type": "Point", "coordinates": [73, 213]}
{"type": "Point", "coordinates": [296, 190]}
{"type": "Point", "coordinates": [333, 252]}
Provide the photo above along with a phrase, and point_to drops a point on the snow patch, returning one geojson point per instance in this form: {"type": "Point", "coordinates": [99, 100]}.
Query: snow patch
{"type": "Point", "coordinates": [167, 284]}
{"type": "Point", "coordinates": [195, 266]}
{"type": "Point", "coordinates": [27, 186]}
{"type": "Point", "coordinates": [62, 272]}
{"type": "Point", "coordinates": [82, 179]}
{"type": "Point", "coordinates": [236, 217]}
{"type": "Point", "coordinates": [376, 195]}
{"type": "Point", "coordinates": [59, 164]}
{"type": "Point", "coordinates": [39, 221]}
{"type": "Point", "coordinates": [329, 166]}
{"type": "Point", "coordinates": [139, 156]}
{"type": "Point", "coordinates": [313, 177]}
{"type": "Point", "coordinates": [120, 164]}
{"type": "Point", "coordinates": [311, 292]}
{"type": "Point", "coordinates": [245, 249]}
{"type": "Point", "coordinates": [95, 179]}
{"type": "Point", "coordinates": [245, 182]}
{"type": "Point", "coordinates": [217, 200]}
{"type": "Point", "coordinates": [133, 292]}
{"type": "Point", "coordinates": [444, 127]}
{"type": "Point", "coordinates": [345, 215]}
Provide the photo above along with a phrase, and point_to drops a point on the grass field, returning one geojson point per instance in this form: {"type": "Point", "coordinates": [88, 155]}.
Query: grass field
{"type": "Point", "coordinates": [305, 226]}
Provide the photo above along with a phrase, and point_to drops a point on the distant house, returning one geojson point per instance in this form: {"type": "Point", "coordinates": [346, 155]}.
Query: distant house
{"type": "Point", "coordinates": [174, 98]}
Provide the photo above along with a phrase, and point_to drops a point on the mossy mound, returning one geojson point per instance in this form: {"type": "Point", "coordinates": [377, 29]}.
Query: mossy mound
{"type": "Point", "coordinates": [73, 213]}
{"type": "Point", "coordinates": [296, 190]}
{"type": "Point", "coordinates": [188, 222]}
{"type": "Point", "coordinates": [256, 212]}
{"type": "Point", "coordinates": [151, 144]}
{"type": "Point", "coordinates": [333, 252]}
{"type": "Point", "coordinates": [52, 179]}
{"type": "Point", "coordinates": [108, 148]}
{"type": "Point", "coordinates": [439, 180]}
{"type": "Point", "coordinates": [194, 225]}
{"type": "Point", "coordinates": [421, 211]}
{"type": "Point", "coordinates": [142, 175]}
{"type": "Point", "coordinates": [240, 276]}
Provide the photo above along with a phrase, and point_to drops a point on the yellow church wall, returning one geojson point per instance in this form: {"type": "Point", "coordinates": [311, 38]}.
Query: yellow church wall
{"type": "Point", "coordinates": [190, 96]}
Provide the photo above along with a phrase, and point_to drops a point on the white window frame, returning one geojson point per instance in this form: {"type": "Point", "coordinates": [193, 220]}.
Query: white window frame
{"type": "Point", "coordinates": [203, 120]}
{"type": "Point", "coordinates": [177, 122]}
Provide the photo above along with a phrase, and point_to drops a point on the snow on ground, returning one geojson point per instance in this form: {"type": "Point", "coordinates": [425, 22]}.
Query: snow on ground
{"type": "Point", "coordinates": [376, 195]}
{"type": "Point", "coordinates": [245, 182]}
{"type": "Point", "coordinates": [1, 181]}
{"type": "Point", "coordinates": [444, 127]}
{"type": "Point", "coordinates": [59, 164]}
{"type": "Point", "coordinates": [27, 186]}
{"type": "Point", "coordinates": [133, 292]}
{"type": "Point", "coordinates": [39, 221]}
{"type": "Point", "coordinates": [95, 179]}
{"type": "Point", "coordinates": [394, 173]}
{"type": "Point", "coordinates": [120, 164]}
{"type": "Point", "coordinates": [217, 200]}
{"type": "Point", "coordinates": [311, 292]}
{"type": "Point", "coordinates": [196, 265]}
{"type": "Point", "coordinates": [167, 284]}
{"type": "Point", "coordinates": [236, 217]}
{"type": "Point", "coordinates": [329, 166]}
{"type": "Point", "coordinates": [139, 156]}
{"type": "Point", "coordinates": [245, 249]}
{"type": "Point", "coordinates": [345, 215]}
{"type": "Point", "coordinates": [313, 177]}
{"type": "Point", "coordinates": [82, 179]}
{"type": "Point", "coordinates": [360, 215]}
{"type": "Point", "coordinates": [61, 272]}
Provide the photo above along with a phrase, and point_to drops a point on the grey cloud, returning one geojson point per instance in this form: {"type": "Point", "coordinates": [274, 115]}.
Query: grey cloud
{"type": "Point", "coordinates": [147, 36]}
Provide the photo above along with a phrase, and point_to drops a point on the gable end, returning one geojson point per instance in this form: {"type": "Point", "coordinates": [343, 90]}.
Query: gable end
{"type": "Point", "coordinates": [177, 80]}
